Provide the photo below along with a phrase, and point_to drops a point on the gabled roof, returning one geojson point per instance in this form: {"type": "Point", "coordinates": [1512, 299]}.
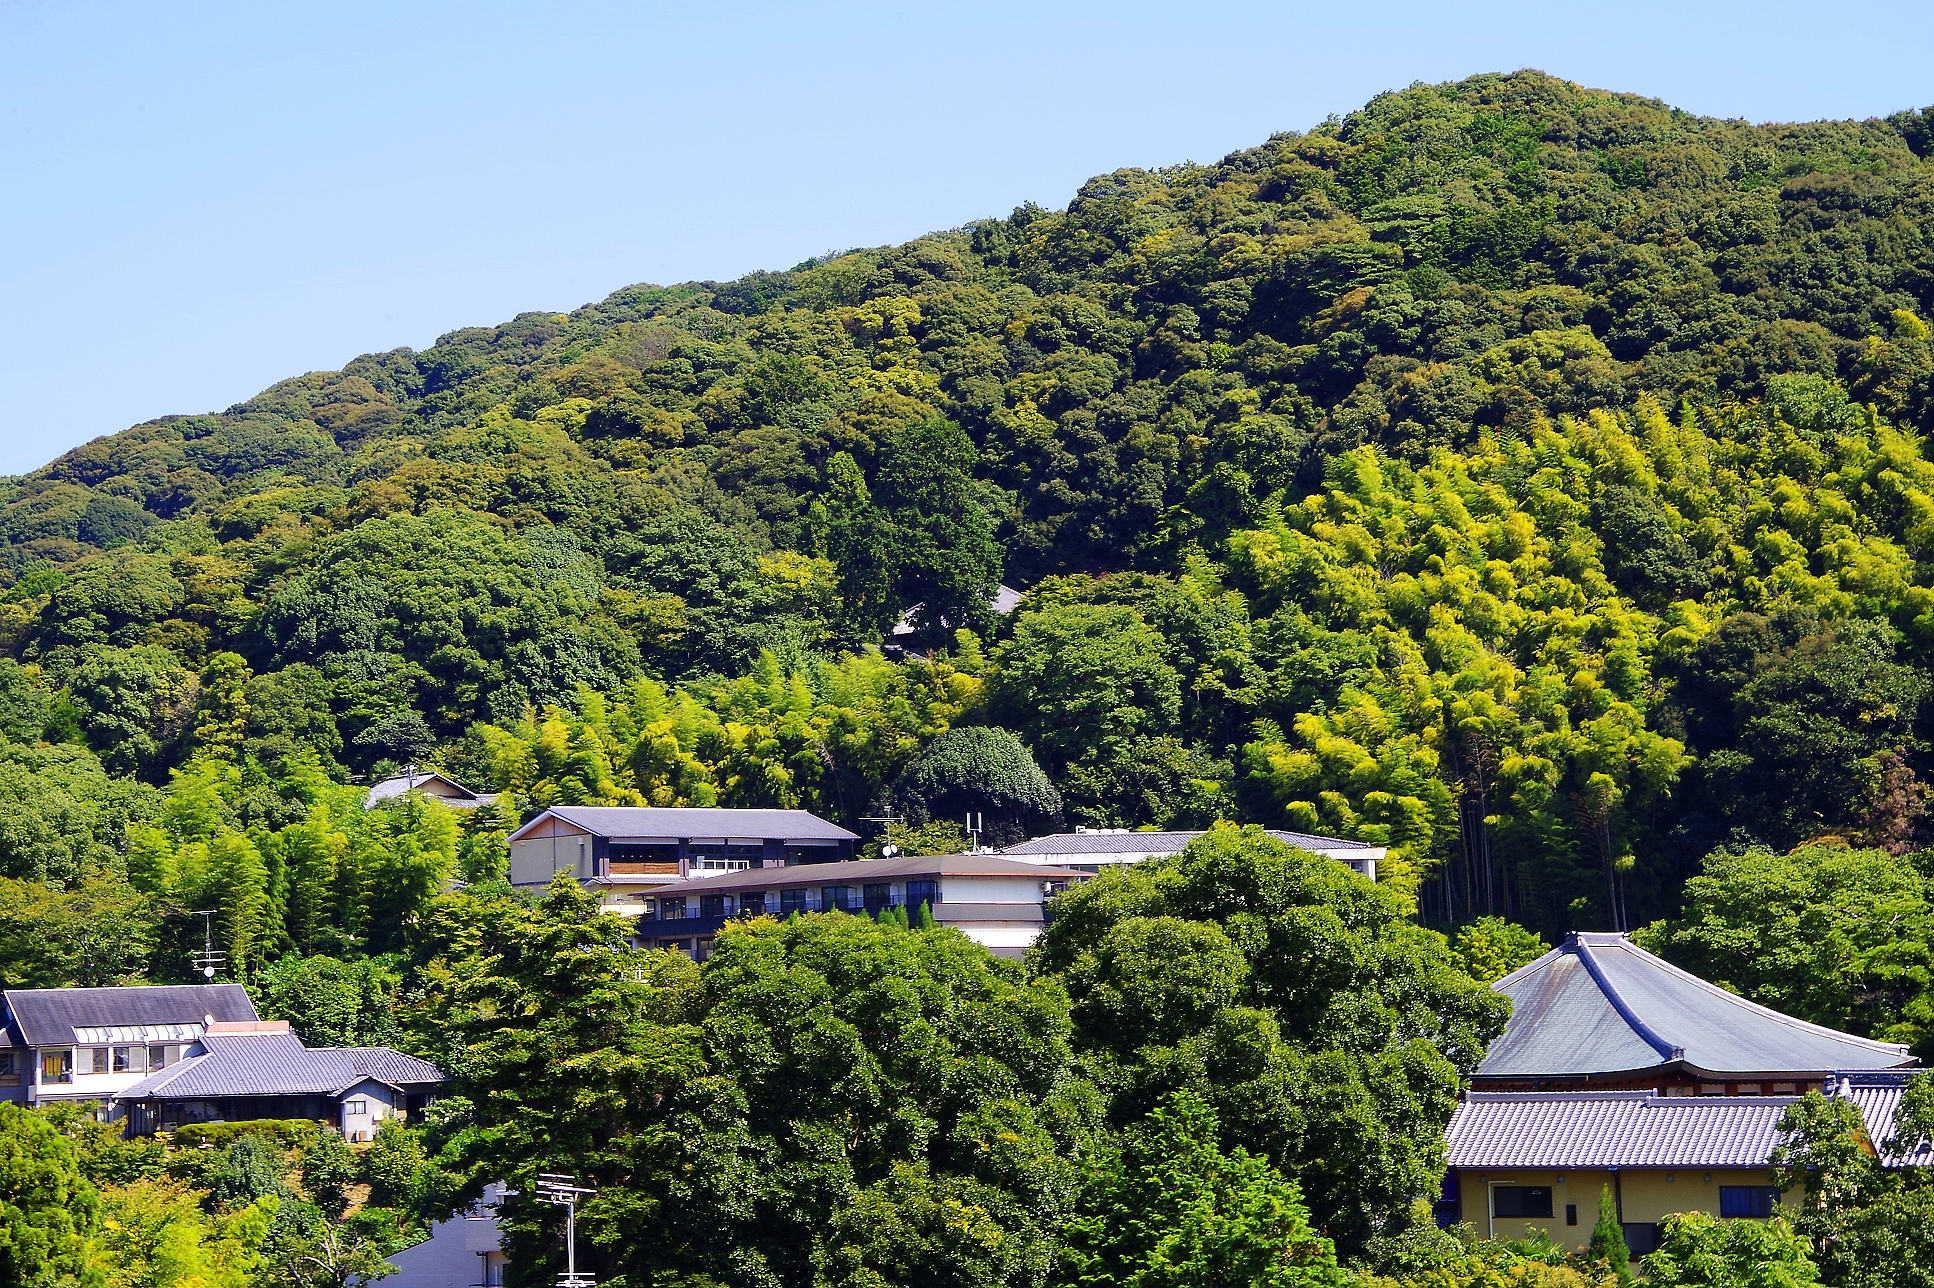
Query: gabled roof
{"type": "Point", "coordinates": [50, 1016]}
{"type": "Point", "coordinates": [1602, 1005]}
{"type": "Point", "coordinates": [1594, 1129]}
{"type": "Point", "coordinates": [860, 871]}
{"type": "Point", "coordinates": [1143, 843]}
{"type": "Point", "coordinates": [277, 1064]}
{"type": "Point", "coordinates": [454, 793]}
{"type": "Point", "coordinates": [1876, 1094]}
{"type": "Point", "coordinates": [684, 823]}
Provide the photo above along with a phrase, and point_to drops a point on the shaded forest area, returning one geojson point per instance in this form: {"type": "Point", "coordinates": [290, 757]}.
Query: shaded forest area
{"type": "Point", "coordinates": [1526, 477]}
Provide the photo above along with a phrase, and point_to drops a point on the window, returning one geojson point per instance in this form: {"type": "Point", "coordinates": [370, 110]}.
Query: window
{"type": "Point", "coordinates": [752, 903]}
{"type": "Point", "coordinates": [919, 892]}
{"type": "Point", "coordinates": [97, 1060]}
{"type": "Point", "coordinates": [878, 895]}
{"type": "Point", "coordinates": [832, 899]}
{"type": "Point", "coordinates": [128, 1059]}
{"type": "Point", "coordinates": [711, 905]}
{"type": "Point", "coordinates": [791, 901]}
{"type": "Point", "coordinates": [1521, 1200]}
{"type": "Point", "coordinates": [671, 908]}
{"type": "Point", "coordinates": [797, 854]}
{"type": "Point", "coordinates": [634, 853]}
{"type": "Point", "coordinates": [712, 856]}
{"type": "Point", "coordinates": [7, 1068]}
{"type": "Point", "coordinates": [1747, 1200]}
{"type": "Point", "coordinates": [1571, 1214]}
{"type": "Point", "coordinates": [57, 1066]}
{"type": "Point", "coordinates": [355, 1108]}
{"type": "Point", "coordinates": [161, 1057]}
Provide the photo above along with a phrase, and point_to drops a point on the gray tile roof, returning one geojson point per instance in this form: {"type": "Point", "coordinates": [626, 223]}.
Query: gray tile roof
{"type": "Point", "coordinates": [860, 871]}
{"type": "Point", "coordinates": [1602, 1005]}
{"type": "Point", "coordinates": [277, 1064]}
{"type": "Point", "coordinates": [1594, 1129]}
{"type": "Point", "coordinates": [1876, 1093]}
{"type": "Point", "coordinates": [1139, 843]}
{"type": "Point", "coordinates": [49, 1016]}
{"type": "Point", "coordinates": [624, 821]}
{"type": "Point", "coordinates": [456, 795]}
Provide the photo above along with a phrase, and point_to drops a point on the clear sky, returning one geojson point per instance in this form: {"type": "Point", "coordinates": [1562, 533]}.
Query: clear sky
{"type": "Point", "coordinates": [200, 199]}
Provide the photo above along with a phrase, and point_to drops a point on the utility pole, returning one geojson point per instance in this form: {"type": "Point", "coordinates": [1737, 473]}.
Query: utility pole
{"type": "Point", "coordinates": [207, 961]}
{"type": "Point", "coordinates": [562, 1191]}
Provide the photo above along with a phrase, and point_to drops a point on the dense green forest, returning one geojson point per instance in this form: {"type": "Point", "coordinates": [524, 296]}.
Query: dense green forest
{"type": "Point", "coordinates": [1528, 478]}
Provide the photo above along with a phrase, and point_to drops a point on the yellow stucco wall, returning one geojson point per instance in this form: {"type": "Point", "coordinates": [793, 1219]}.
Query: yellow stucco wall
{"type": "Point", "coordinates": [1648, 1196]}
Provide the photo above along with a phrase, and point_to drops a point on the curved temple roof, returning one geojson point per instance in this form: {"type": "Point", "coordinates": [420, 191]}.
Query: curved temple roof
{"type": "Point", "coordinates": [1602, 1005]}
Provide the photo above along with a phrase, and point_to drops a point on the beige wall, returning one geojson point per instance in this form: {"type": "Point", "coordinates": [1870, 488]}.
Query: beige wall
{"type": "Point", "coordinates": [536, 859]}
{"type": "Point", "coordinates": [1648, 1196]}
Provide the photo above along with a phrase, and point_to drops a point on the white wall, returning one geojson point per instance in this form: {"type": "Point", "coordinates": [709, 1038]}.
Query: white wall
{"type": "Point", "coordinates": [990, 889]}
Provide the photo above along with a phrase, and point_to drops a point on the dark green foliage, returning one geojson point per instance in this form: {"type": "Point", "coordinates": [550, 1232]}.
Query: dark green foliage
{"type": "Point", "coordinates": [1294, 998]}
{"type": "Point", "coordinates": [1608, 1239]}
{"type": "Point", "coordinates": [330, 1002]}
{"type": "Point", "coordinates": [984, 770]}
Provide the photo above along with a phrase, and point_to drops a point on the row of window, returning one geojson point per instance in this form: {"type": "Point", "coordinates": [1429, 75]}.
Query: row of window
{"type": "Point", "coordinates": [717, 858]}
{"type": "Point", "coordinates": [58, 1064]}
{"type": "Point", "coordinates": [1535, 1201]}
{"type": "Point", "coordinates": [871, 898]}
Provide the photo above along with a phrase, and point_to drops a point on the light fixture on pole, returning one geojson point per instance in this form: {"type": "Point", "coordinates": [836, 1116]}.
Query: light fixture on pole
{"type": "Point", "coordinates": [563, 1191]}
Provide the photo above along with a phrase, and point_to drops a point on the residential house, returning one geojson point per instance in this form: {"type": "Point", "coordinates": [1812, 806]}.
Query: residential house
{"type": "Point", "coordinates": [1601, 1013]}
{"type": "Point", "coordinates": [1618, 1071]}
{"type": "Point", "coordinates": [94, 1043]}
{"type": "Point", "coordinates": [624, 853]}
{"type": "Point", "coordinates": [1091, 849]}
{"type": "Point", "coordinates": [467, 1251]}
{"type": "Point", "coordinates": [434, 786]}
{"type": "Point", "coordinates": [998, 902]}
{"type": "Point", "coordinates": [236, 1072]}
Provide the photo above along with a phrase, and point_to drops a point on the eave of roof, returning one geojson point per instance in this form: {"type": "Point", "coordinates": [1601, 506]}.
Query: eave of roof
{"type": "Point", "coordinates": [49, 1016]}
{"type": "Point", "coordinates": [1625, 1129]}
{"type": "Point", "coordinates": [1141, 843]}
{"type": "Point", "coordinates": [692, 821]}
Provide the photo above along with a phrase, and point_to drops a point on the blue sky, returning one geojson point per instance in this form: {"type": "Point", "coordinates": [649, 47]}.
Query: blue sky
{"type": "Point", "coordinates": [202, 199]}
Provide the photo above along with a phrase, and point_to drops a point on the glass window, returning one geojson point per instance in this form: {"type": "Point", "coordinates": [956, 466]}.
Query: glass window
{"type": "Point", "coordinates": [752, 903]}
{"type": "Point", "coordinates": [57, 1066]}
{"type": "Point", "coordinates": [711, 905]}
{"type": "Point", "coordinates": [671, 908]}
{"type": "Point", "coordinates": [128, 1059]}
{"type": "Point", "coordinates": [634, 853]}
{"type": "Point", "coordinates": [832, 899]}
{"type": "Point", "coordinates": [6, 1064]}
{"type": "Point", "coordinates": [1747, 1200]}
{"type": "Point", "coordinates": [1521, 1200]}
{"type": "Point", "coordinates": [355, 1108]}
{"type": "Point", "coordinates": [878, 896]}
{"type": "Point", "coordinates": [919, 892]}
{"type": "Point", "coordinates": [791, 901]}
{"type": "Point", "coordinates": [797, 854]}
{"type": "Point", "coordinates": [161, 1057]}
{"type": "Point", "coordinates": [725, 858]}
{"type": "Point", "coordinates": [97, 1060]}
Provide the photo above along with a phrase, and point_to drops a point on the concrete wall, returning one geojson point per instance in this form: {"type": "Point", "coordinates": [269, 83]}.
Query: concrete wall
{"type": "Point", "coordinates": [534, 860]}
{"type": "Point", "coordinates": [990, 889]}
{"type": "Point", "coordinates": [1648, 1197]}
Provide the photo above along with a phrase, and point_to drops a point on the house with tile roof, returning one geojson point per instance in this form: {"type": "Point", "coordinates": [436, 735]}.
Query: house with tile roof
{"type": "Point", "coordinates": [427, 783]}
{"type": "Point", "coordinates": [93, 1043]}
{"type": "Point", "coordinates": [1092, 849]}
{"type": "Point", "coordinates": [624, 852]}
{"type": "Point", "coordinates": [238, 1072]}
{"type": "Point", "coordinates": [1601, 1013]}
{"type": "Point", "coordinates": [998, 902]}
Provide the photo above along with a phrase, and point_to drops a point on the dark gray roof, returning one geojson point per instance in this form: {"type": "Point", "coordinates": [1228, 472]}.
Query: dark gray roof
{"type": "Point", "coordinates": [766, 824]}
{"type": "Point", "coordinates": [277, 1064]}
{"type": "Point", "coordinates": [49, 1016]}
{"type": "Point", "coordinates": [1073, 843]}
{"type": "Point", "coordinates": [1603, 1005]}
{"type": "Point", "coordinates": [1594, 1129]}
{"type": "Point", "coordinates": [860, 871]}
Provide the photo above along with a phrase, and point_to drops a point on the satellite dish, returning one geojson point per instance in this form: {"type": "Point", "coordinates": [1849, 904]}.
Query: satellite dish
{"type": "Point", "coordinates": [888, 851]}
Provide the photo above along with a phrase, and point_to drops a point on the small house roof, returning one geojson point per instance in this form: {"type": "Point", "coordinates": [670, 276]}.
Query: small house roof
{"type": "Point", "coordinates": [683, 823]}
{"type": "Point", "coordinates": [55, 1016]}
{"type": "Point", "coordinates": [277, 1064]}
{"type": "Point", "coordinates": [1601, 1005]}
{"type": "Point", "coordinates": [1072, 844]}
{"type": "Point", "coordinates": [401, 785]}
{"type": "Point", "coordinates": [1600, 1129]}
{"type": "Point", "coordinates": [861, 871]}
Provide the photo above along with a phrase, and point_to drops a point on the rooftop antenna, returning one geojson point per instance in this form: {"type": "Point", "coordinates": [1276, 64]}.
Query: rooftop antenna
{"type": "Point", "coordinates": [975, 821]}
{"type": "Point", "coordinates": [888, 820]}
{"type": "Point", "coordinates": [562, 1190]}
{"type": "Point", "coordinates": [207, 961]}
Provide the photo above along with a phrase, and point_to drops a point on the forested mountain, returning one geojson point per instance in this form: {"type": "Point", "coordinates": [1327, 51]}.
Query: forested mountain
{"type": "Point", "coordinates": [1524, 476]}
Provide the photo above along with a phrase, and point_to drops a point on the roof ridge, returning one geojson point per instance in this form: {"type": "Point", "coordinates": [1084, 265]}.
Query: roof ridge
{"type": "Point", "coordinates": [1624, 1008]}
{"type": "Point", "coordinates": [1624, 943]}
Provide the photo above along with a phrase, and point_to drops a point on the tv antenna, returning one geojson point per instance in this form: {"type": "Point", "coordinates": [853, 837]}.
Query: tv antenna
{"type": "Point", "coordinates": [888, 850]}
{"type": "Point", "coordinates": [975, 821]}
{"type": "Point", "coordinates": [562, 1190]}
{"type": "Point", "coordinates": [207, 961]}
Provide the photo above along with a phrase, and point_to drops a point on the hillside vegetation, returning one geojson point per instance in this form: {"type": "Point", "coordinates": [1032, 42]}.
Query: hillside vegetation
{"type": "Point", "coordinates": [1529, 478]}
